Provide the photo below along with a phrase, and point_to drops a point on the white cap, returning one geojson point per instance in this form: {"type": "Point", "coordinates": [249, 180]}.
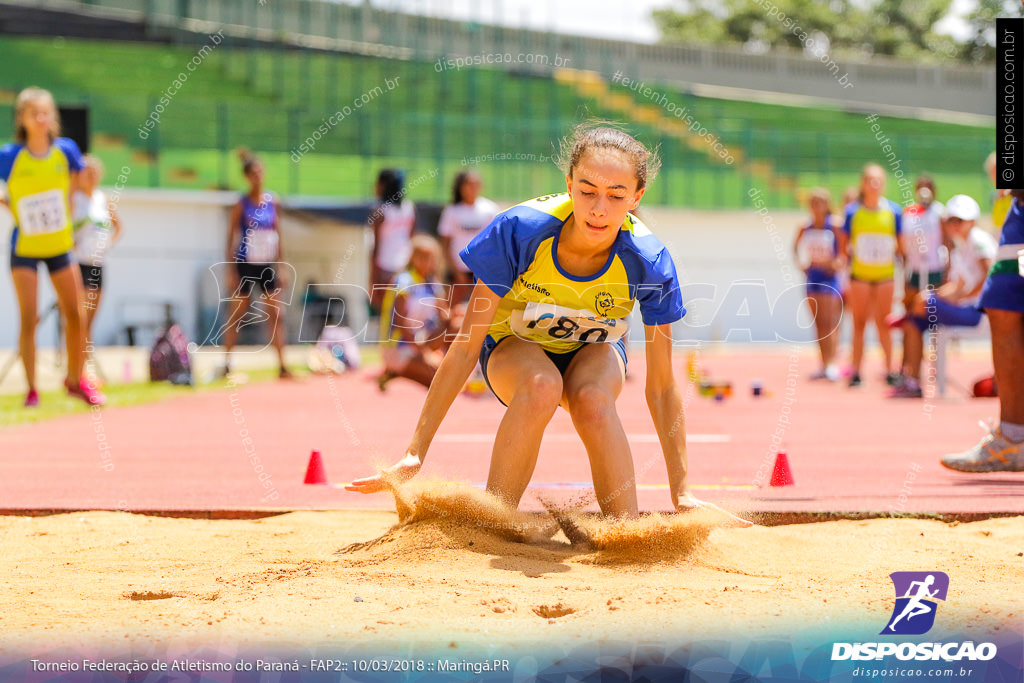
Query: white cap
{"type": "Point", "coordinates": [963, 207]}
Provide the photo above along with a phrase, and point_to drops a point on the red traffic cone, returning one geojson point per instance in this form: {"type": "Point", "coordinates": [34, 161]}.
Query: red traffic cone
{"type": "Point", "coordinates": [781, 474]}
{"type": "Point", "coordinates": [315, 473]}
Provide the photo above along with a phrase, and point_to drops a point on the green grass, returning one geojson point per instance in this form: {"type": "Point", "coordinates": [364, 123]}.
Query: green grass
{"type": "Point", "coordinates": [53, 404]}
{"type": "Point", "coordinates": [272, 101]}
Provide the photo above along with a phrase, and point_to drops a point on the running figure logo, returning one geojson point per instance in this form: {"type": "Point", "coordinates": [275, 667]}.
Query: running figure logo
{"type": "Point", "coordinates": [262, 290]}
{"type": "Point", "coordinates": [917, 596]}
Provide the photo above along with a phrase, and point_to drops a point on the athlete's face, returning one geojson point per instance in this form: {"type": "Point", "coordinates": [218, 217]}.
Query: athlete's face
{"type": "Point", "coordinates": [255, 175]}
{"type": "Point", "coordinates": [425, 262]}
{"type": "Point", "coordinates": [38, 118]}
{"type": "Point", "coordinates": [872, 183]}
{"type": "Point", "coordinates": [819, 207]}
{"type": "Point", "coordinates": [603, 187]}
{"type": "Point", "coordinates": [925, 193]}
{"type": "Point", "coordinates": [470, 189]}
{"type": "Point", "coordinates": [957, 228]}
{"type": "Point", "coordinates": [89, 178]}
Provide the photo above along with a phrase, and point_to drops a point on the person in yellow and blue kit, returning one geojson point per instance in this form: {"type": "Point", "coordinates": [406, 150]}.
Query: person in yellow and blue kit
{"type": "Point", "coordinates": [873, 228]}
{"type": "Point", "coordinates": [40, 169]}
{"type": "Point", "coordinates": [555, 279]}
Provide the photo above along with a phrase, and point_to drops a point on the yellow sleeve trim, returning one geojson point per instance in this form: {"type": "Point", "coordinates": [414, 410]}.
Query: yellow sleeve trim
{"type": "Point", "coordinates": [557, 205]}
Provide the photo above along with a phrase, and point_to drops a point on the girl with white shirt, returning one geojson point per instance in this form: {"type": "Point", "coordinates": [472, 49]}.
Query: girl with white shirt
{"type": "Point", "coordinates": [956, 301]}
{"type": "Point", "coordinates": [393, 222]}
{"type": "Point", "coordinates": [461, 221]}
{"type": "Point", "coordinates": [97, 228]}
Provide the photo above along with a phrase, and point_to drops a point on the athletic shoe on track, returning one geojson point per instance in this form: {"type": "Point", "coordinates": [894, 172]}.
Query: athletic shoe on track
{"type": "Point", "coordinates": [994, 453]}
{"type": "Point", "coordinates": [855, 380]}
{"type": "Point", "coordinates": [32, 399]}
{"type": "Point", "coordinates": [832, 373]}
{"type": "Point", "coordinates": [908, 388]}
{"type": "Point", "coordinates": [893, 379]}
{"type": "Point", "coordinates": [820, 374]}
{"type": "Point", "coordinates": [87, 392]}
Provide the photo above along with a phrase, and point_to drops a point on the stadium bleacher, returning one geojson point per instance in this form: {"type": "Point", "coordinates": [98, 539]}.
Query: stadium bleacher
{"type": "Point", "coordinates": [273, 100]}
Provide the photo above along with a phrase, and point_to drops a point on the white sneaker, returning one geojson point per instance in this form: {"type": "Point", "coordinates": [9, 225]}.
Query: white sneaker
{"type": "Point", "coordinates": [994, 453]}
{"type": "Point", "coordinates": [832, 373]}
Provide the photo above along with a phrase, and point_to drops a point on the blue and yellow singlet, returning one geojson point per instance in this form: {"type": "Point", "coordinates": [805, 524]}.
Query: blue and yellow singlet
{"type": "Point", "coordinates": [516, 256]}
{"type": "Point", "coordinates": [38, 190]}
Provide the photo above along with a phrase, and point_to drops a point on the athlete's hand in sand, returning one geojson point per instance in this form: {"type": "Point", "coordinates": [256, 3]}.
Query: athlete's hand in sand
{"type": "Point", "coordinates": [399, 473]}
{"type": "Point", "coordinates": [687, 502]}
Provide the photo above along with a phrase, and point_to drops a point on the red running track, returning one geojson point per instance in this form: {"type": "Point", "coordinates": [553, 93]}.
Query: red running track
{"type": "Point", "coordinates": [237, 451]}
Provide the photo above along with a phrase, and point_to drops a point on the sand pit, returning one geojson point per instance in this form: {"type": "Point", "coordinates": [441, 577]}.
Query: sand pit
{"type": "Point", "coordinates": [315, 578]}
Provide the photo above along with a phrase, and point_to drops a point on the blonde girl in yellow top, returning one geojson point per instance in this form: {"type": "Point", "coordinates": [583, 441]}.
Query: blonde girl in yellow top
{"type": "Point", "coordinates": [40, 169]}
{"type": "Point", "coordinates": [872, 227]}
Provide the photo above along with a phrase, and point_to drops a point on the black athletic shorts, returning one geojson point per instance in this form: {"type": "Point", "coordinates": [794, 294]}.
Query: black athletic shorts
{"type": "Point", "coordinates": [260, 276]}
{"type": "Point", "coordinates": [92, 276]}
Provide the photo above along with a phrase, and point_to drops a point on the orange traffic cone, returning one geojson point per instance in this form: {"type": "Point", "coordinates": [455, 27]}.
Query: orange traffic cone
{"type": "Point", "coordinates": [315, 473]}
{"type": "Point", "coordinates": [781, 474]}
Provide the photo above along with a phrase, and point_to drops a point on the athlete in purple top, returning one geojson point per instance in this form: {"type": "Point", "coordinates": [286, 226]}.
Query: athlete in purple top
{"type": "Point", "coordinates": [254, 249]}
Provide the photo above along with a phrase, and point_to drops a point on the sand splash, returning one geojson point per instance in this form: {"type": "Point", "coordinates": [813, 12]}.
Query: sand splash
{"type": "Point", "coordinates": [651, 538]}
{"type": "Point", "coordinates": [445, 515]}
{"type": "Point", "coordinates": [465, 505]}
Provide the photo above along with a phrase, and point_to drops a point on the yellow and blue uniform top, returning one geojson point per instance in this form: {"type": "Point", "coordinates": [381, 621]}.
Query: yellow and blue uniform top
{"type": "Point", "coordinates": [873, 237]}
{"type": "Point", "coordinates": [38, 190]}
{"type": "Point", "coordinates": [516, 256]}
{"type": "Point", "coordinates": [422, 316]}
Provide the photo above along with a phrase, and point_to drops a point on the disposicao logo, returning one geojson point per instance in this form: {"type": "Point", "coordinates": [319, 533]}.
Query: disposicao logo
{"type": "Point", "coordinates": [917, 601]}
{"type": "Point", "coordinates": [917, 596]}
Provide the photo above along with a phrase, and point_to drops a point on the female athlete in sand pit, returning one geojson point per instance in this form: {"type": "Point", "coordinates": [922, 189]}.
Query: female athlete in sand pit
{"type": "Point", "coordinates": [555, 279]}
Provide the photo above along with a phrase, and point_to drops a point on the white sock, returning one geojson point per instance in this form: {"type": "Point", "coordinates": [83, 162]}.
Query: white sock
{"type": "Point", "coordinates": [1012, 432]}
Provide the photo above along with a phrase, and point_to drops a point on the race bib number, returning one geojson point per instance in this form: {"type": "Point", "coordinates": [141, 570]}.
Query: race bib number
{"type": "Point", "coordinates": [819, 246]}
{"type": "Point", "coordinates": [875, 250]}
{"type": "Point", "coordinates": [42, 213]}
{"type": "Point", "coordinates": [262, 246]}
{"type": "Point", "coordinates": [542, 322]}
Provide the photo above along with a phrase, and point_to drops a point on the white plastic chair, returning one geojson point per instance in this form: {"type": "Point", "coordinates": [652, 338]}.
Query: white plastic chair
{"type": "Point", "coordinates": [944, 335]}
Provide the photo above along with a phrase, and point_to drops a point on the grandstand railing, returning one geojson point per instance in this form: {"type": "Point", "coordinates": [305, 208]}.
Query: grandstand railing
{"type": "Point", "coordinates": [878, 83]}
{"type": "Point", "coordinates": [271, 101]}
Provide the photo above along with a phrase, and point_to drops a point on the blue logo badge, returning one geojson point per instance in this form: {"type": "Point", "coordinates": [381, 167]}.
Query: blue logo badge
{"type": "Point", "coordinates": [917, 596]}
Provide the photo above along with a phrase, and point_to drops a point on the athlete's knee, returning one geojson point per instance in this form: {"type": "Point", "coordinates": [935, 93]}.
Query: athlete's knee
{"type": "Point", "coordinates": [28, 322]}
{"type": "Point", "coordinates": [72, 315]}
{"type": "Point", "coordinates": [1006, 322]}
{"type": "Point", "coordinates": [591, 402]}
{"type": "Point", "coordinates": [540, 388]}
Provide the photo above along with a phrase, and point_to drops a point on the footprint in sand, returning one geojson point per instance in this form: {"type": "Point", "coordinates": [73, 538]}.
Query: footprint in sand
{"type": "Point", "coordinates": [167, 595]}
{"type": "Point", "coordinates": [553, 611]}
{"type": "Point", "coordinates": [151, 595]}
{"type": "Point", "coordinates": [499, 605]}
